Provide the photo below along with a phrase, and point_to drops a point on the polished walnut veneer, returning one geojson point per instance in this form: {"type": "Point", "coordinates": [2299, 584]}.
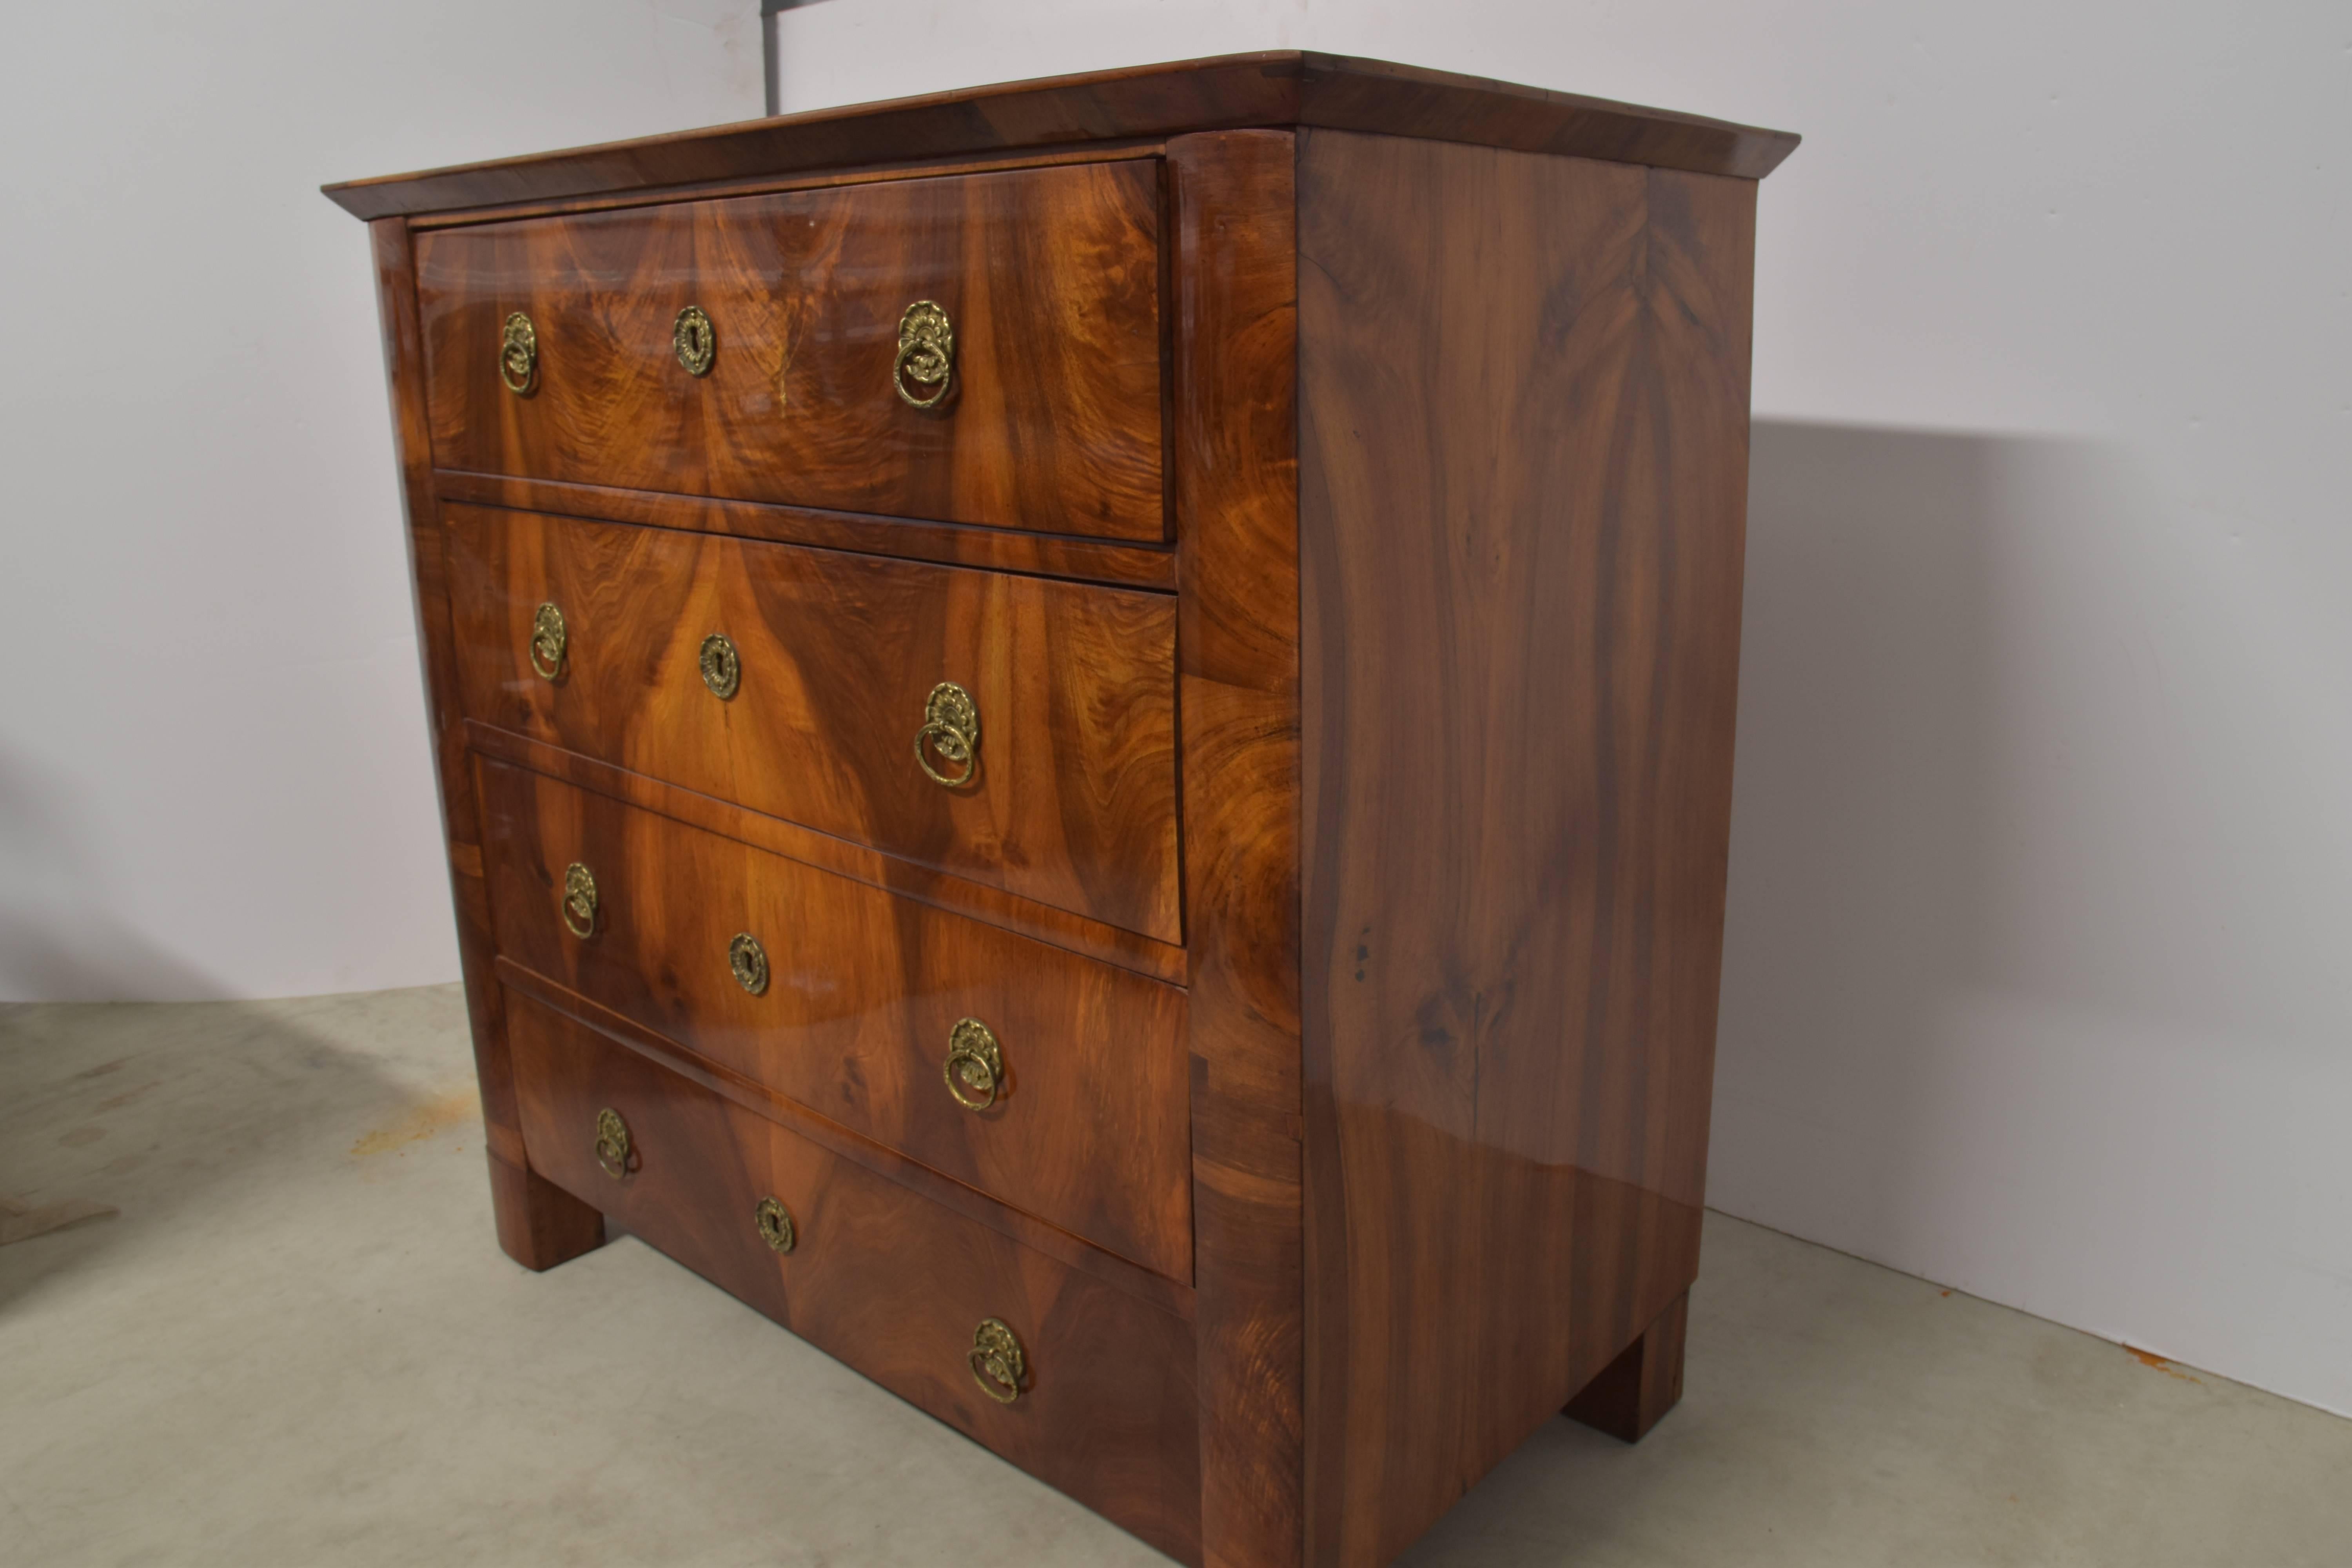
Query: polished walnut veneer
{"type": "Point", "coordinates": [880, 1276]}
{"type": "Point", "coordinates": [1053, 425]}
{"type": "Point", "coordinates": [1073, 796]}
{"type": "Point", "coordinates": [1085, 1125]}
{"type": "Point", "coordinates": [1085, 734]}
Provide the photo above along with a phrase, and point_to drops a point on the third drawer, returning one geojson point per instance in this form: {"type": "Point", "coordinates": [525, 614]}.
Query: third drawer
{"type": "Point", "coordinates": [1054, 1083]}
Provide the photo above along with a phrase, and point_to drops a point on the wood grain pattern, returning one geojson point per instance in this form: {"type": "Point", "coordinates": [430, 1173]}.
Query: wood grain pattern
{"type": "Point", "coordinates": [1357, 655]}
{"type": "Point", "coordinates": [1089, 939]}
{"type": "Point", "coordinates": [950, 544]}
{"type": "Point", "coordinates": [1629, 1396]}
{"type": "Point", "coordinates": [1099, 151]}
{"type": "Point", "coordinates": [1090, 1132]}
{"type": "Point", "coordinates": [1075, 801]}
{"type": "Point", "coordinates": [1235, 466]}
{"type": "Point", "coordinates": [1158, 1289]}
{"type": "Point", "coordinates": [1051, 278]}
{"type": "Point", "coordinates": [881, 1277]}
{"type": "Point", "coordinates": [538, 1225]}
{"type": "Point", "coordinates": [1277, 89]}
{"type": "Point", "coordinates": [1524, 403]}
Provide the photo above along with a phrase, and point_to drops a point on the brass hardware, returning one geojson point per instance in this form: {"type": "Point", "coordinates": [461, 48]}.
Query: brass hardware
{"type": "Point", "coordinates": [974, 1063]}
{"type": "Point", "coordinates": [997, 1364]}
{"type": "Point", "coordinates": [548, 638]}
{"type": "Point", "coordinates": [722, 668]}
{"type": "Point", "coordinates": [613, 1143]}
{"type": "Point", "coordinates": [951, 728]}
{"type": "Point", "coordinates": [926, 353]}
{"type": "Point", "coordinates": [519, 355]}
{"type": "Point", "coordinates": [579, 901]}
{"type": "Point", "coordinates": [749, 960]}
{"type": "Point", "coordinates": [694, 338]}
{"type": "Point", "coordinates": [775, 1223]}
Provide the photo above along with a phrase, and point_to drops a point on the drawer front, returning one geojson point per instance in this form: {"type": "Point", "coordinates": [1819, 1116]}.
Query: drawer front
{"type": "Point", "coordinates": [1089, 1124]}
{"type": "Point", "coordinates": [1072, 798]}
{"type": "Point", "coordinates": [1049, 280]}
{"type": "Point", "coordinates": [879, 1276]}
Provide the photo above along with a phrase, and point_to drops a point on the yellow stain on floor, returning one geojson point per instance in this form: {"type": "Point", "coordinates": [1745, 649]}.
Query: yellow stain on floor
{"type": "Point", "coordinates": [2150, 1359]}
{"type": "Point", "coordinates": [457, 1107]}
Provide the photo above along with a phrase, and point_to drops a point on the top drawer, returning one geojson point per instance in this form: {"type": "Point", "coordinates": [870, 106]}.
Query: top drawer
{"type": "Point", "coordinates": [1049, 280]}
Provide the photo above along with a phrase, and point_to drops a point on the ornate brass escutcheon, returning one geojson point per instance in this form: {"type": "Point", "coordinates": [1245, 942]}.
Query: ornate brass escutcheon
{"type": "Point", "coordinates": [694, 338]}
{"type": "Point", "coordinates": [775, 1223]}
{"type": "Point", "coordinates": [722, 668]}
{"type": "Point", "coordinates": [518, 354]}
{"type": "Point", "coordinates": [612, 1151]}
{"type": "Point", "coordinates": [548, 640]}
{"type": "Point", "coordinates": [951, 728]}
{"type": "Point", "coordinates": [579, 905]}
{"type": "Point", "coordinates": [748, 961]}
{"type": "Point", "coordinates": [926, 353]}
{"type": "Point", "coordinates": [997, 1364]}
{"type": "Point", "coordinates": [975, 1065]}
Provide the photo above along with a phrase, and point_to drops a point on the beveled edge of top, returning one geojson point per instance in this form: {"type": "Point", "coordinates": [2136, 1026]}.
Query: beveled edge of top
{"type": "Point", "coordinates": [1228, 92]}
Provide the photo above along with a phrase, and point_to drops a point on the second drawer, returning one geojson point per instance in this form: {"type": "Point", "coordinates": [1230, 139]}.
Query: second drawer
{"type": "Point", "coordinates": [1051, 1082]}
{"type": "Point", "coordinates": [819, 707]}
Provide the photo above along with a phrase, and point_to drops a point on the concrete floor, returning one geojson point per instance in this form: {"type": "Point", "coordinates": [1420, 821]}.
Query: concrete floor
{"type": "Point", "coordinates": [297, 1342]}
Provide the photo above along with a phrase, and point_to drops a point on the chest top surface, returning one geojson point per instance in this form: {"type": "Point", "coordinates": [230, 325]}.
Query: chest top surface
{"type": "Point", "coordinates": [1286, 88]}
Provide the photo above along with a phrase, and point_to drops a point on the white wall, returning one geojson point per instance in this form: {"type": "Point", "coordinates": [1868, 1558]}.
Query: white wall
{"type": "Point", "coordinates": [2042, 875]}
{"type": "Point", "coordinates": [213, 773]}
{"type": "Point", "coordinates": [2039, 978]}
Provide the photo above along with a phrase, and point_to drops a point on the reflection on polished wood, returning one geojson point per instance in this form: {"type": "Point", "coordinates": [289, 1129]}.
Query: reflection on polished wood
{"type": "Point", "coordinates": [947, 1191]}
{"type": "Point", "coordinates": [879, 1276]}
{"type": "Point", "coordinates": [1075, 800]}
{"type": "Point", "coordinates": [1323, 554]}
{"type": "Point", "coordinates": [1522, 651]}
{"type": "Point", "coordinates": [1237, 528]}
{"type": "Point", "coordinates": [863, 993]}
{"type": "Point", "coordinates": [1279, 87]}
{"type": "Point", "coordinates": [1078, 934]}
{"type": "Point", "coordinates": [1052, 277]}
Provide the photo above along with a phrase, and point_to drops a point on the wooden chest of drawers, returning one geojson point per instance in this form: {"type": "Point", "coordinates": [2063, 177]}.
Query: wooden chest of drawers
{"type": "Point", "coordinates": [1085, 735]}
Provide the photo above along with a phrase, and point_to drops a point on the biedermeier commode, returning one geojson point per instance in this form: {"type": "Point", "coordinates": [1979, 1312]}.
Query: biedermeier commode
{"type": "Point", "coordinates": [1085, 732]}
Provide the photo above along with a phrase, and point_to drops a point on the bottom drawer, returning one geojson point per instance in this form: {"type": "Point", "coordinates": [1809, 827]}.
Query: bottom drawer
{"type": "Point", "coordinates": [879, 1276]}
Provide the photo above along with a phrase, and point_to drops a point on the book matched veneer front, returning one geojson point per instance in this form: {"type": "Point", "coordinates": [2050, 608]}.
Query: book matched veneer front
{"type": "Point", "coordinates": [830, 668]}
{"type": "Point", "coordinates": [1101, 1398]}
{"type": "Point", "coordinates": [555, 348]}
{"type": "Point", "coordinates": [1068, 1101]}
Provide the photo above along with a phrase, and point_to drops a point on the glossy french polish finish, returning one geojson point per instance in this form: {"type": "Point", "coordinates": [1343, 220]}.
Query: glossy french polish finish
{"type": "Point", "coordinates": [1150, 713]}
{"type": "Point", "coordinates": [1050, 421]}
{"type": "Point", "coordinates": [884, 1279]}
{"type": "Point", "coordinates": [1522, 652]}
{"type": "Point", "coordinates": [1072, 800]}
{"type": "Point", "coordinates": [861, 998]}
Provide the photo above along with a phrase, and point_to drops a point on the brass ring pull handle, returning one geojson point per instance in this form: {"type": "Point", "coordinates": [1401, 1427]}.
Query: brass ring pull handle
{"type": "Point", "coordinates": [579, 905]}
{"type": "Point", "coordinates": [722, 666]}
{"type": "Point", "coordinates": [518, 354]}
{"type": "Point", "coordinates": [926, 354]}
{"type": "Point", "coordinates": [951, 728]}
{"type": "Point", "coordinates": [694, 338]}
{"type": "Point", "coordinates": [997, 1364]}
{"type": "Point", "coordinates": [548, 640]}
{"type": "Point", "coordinates": [613, 1150]}
{"type": "Point", "coordinates": [748, 962]}
{"type": "Point", "coordinates": [775, 1223]}
{"type": "Point", "coordinates": [975, 1065]}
